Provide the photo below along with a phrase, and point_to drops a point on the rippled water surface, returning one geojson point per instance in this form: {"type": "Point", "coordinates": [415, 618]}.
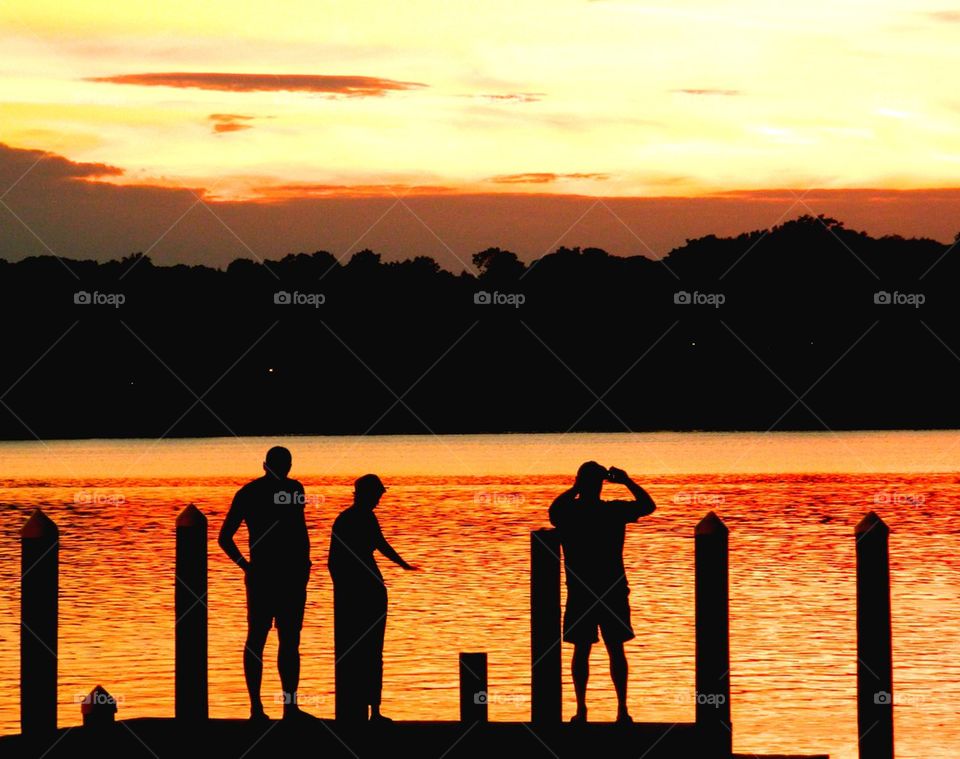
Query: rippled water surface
{"type": "Point", "coordinates": [462, 508]}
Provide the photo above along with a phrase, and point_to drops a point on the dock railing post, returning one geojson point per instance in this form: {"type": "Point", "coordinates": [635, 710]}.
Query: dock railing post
{"type": "Point", "coordinates": [874, 640]}
{"type": "Point", "coordinates": [711, 539]}
{"type": "Point", "coordinates": [473, 688]}
{"type": "Point", "coordinates": [39, 590]}
{"type": "Point", "coordinates": [545, 632]}
{"type": "Point", "coordinates": [190, 606]}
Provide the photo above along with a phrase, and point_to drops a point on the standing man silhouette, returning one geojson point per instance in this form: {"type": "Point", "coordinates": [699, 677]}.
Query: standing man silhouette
{"type": "Point", "coordinates": [592, 532]}
{"type": "Point", "coordinates": [360, 602]}
{"type": "Point", "coordinates": [275, 575]}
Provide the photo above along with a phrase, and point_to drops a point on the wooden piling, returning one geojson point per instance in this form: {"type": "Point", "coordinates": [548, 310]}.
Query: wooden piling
{"type": "Point", "coordinates": [473, 688]}
{"type": "Point", "coordinates": [874, 640]}
{"type": "Point", "coordinates": [98, 708]}
{"type": "Point", "coordinates": [39, 590]}
{"type": "Point", "coordinates": [190, 602]}
{"type": "Point", "coordinates": [545, 631]}
{"type": "Point", "coordinates": [711, 539]}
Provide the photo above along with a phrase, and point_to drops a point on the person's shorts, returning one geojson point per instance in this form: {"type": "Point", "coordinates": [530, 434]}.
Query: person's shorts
{"type": "Point", "coordinates": [276, 599]}
{"type": "Point", "coordinates": [585, 614]}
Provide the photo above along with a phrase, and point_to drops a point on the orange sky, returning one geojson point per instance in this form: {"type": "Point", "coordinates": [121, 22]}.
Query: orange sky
{"type": "Point", "coordinates": [270, 102]}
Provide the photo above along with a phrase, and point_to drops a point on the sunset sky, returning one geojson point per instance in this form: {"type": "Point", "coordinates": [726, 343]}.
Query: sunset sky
{"type": "Point", "coordinates": [272, 103]}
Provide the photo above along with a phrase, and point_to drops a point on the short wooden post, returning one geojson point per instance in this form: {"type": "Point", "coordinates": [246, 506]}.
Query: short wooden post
{"type": "Point", "coordinates": [874, 640]}
{"type": "Point", "coordinates": [98, 708]}
{"type": "Point", "coordinates": [39, 589]}
{"type": "Point", "coordinates": [713, 635]}
{"type": "Point", "coordinates": [545, 632]}
{"type": "Point", "coordinates": [190, 602]}
{"type": "Point", "coordinates": [473, 688]}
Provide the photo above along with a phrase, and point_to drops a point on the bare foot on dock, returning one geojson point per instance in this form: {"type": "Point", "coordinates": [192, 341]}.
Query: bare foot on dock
{"type": "Point", "coordinates": [624, 718]}
{"type": "Point", "coordinates": [258, 715]}
{"type": "Point", "coordinates": [580, 718]}
{"type": "Point", "coordinates": [380, 719]}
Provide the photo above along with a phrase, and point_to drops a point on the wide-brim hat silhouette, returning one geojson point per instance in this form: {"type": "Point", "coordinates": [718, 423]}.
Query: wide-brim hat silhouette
{"type": "Point", "coordinates": [369, 484]}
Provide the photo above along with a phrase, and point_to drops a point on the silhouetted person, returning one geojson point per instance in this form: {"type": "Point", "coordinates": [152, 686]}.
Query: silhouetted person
{"type": "Point", "coordinates": [276, 574]}
{"type": "Point", "coordinates": [592, 533]}
{"type": "Point", "coordinates": [360, 601]}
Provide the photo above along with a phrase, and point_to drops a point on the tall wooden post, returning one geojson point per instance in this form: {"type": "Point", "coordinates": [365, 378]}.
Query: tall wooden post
{"type": "Point", "coordinates": [190, 602]}
{"type": "Point", "coordinates": [713, 635]}
{"type": "Point", "coordinates": [473, 688]}
{"type": "Point", "coordinates": [545, 651]}
{"type": "Point", "coordinates": [39, 588]}
{"type": "Point", "coordinates": [874, 640]}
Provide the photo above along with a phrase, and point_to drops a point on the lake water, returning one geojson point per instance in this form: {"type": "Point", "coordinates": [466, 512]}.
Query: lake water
{"type": "Point", "coordinates": [462, 508]}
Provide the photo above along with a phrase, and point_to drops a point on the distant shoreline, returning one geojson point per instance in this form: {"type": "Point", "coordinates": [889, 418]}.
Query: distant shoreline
{"type": "Point", "coordinates": [427, 435]}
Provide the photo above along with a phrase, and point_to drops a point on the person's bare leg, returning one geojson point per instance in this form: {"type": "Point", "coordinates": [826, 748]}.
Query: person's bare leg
{"type": "Point", "coordinates": [253, 669]}
{"type": "Point", "coordinates": [580, 669]}
{"type": "Point", "coordinates": [618, 673]}
{"type": "Point", "coordinates": [288, 664]}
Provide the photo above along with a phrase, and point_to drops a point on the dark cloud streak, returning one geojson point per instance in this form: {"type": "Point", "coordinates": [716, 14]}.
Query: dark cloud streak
{"type": "Point", "coordinates": [348, 86]}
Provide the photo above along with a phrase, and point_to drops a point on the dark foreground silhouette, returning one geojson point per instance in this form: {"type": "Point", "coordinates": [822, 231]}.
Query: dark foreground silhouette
{"type": "Point", "coordinates": [360, 602]}
{"type": "Point", "coordinates": [233, 739]}
{"type": "Point", "coordinates": [592, 536]}
{"type": "Point", "coordinates": [275, 575]}
{"type": "Point", "coordinates": [811, 310]}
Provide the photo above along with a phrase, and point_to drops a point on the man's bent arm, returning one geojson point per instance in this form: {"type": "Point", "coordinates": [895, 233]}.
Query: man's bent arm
{"type": "Point", "coordinates": [642, 497]}
{"type": "Point", "coordinates": [230, 526]}
{"type": "Point", "coordinates": [644, 505]}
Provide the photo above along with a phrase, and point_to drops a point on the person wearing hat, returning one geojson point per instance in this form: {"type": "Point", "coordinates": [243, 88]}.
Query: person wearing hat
{"type": "Point", "coordinates": [360, 601]}
{"type": "Point", "coordinates": [592, 533]}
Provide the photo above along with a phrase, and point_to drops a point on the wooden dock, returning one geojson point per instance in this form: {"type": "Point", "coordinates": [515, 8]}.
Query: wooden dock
{"type": "Point", "coordinates": [190, 733]}
{"type": "Point", "coordinates": [166, 738]}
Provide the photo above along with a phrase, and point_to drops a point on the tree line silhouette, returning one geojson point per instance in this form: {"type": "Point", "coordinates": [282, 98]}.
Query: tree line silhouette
{"type": "Point", "coordinates": [804, 326]}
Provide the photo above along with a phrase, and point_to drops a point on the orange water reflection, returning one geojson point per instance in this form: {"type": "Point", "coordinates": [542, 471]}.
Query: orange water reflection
{"type": "Point", "coordinates": [462, 508]}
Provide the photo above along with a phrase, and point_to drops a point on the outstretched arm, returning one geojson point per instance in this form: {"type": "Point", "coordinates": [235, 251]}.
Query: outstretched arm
{"type": "Point", "coordinates": [644, 503]}
{"type": "Point", "coordinates": [230, 526]}
{"type": "Point", "coordinates": [384, 547]}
